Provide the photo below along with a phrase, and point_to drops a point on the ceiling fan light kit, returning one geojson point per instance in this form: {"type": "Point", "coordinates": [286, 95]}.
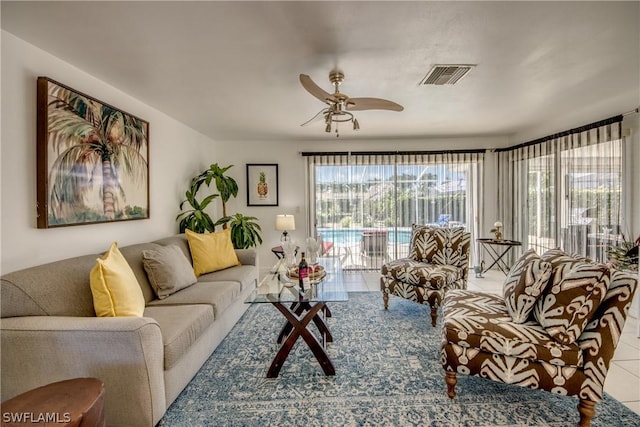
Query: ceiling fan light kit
{"type": "Point", "coordinates": [339, 103]}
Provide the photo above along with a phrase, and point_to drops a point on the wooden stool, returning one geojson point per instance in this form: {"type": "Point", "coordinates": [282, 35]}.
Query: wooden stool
{"type": "Point", "coordinates": [78, 402]}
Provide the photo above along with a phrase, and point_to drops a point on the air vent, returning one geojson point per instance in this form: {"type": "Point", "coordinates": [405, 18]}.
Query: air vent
{"type": "Point", "coordinates": [446, 74]}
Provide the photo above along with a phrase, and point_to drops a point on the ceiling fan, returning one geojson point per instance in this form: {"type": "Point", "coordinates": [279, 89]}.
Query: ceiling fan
{"type": "Point", "coordinates": [340, 105]}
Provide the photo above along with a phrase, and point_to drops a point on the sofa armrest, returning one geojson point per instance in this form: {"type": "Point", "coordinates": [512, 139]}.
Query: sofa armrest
{"type": "Point", "coordinates": [600, 338]}
{"type": "Point", "coordinates": [125, 353]}
{"type": "Point", "coordinates": [466, 256]}
{"type": "Point", "coordinates": [247, 256]}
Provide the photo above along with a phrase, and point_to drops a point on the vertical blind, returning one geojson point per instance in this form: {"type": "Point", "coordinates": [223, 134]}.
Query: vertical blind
{"type": "Point", "coordinates": [365, 203]}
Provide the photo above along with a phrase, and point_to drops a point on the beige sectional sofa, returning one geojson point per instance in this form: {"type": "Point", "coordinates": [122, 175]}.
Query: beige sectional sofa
{"type": "Point", "coordinates": [49, 331]}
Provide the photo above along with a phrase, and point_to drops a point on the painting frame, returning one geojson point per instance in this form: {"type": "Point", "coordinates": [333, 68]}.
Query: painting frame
{"type": "Point", "coordinates": [92, 159]}
{"type": "Point", "coordinates": [259, 174]}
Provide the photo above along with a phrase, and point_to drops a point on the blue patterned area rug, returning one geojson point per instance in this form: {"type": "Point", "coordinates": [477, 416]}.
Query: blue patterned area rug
{"type": "Point", "coordinates": [388, 373]}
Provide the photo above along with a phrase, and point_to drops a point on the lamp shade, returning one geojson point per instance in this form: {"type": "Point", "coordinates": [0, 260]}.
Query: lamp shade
{"type": "Point", "coordinates": [285, 222]}
{"type": "Point", "coordinates": [497, 224]}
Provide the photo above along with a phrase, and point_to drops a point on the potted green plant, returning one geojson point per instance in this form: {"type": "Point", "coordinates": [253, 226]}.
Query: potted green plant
{"type": "Point", "coordinates": [625, 256]}
{"type": "Point", "coordinates": [226, 185]}
{"type": "Point", "coordinates": [245, 230]}
{"type": "Point", "coordinates": [196, 219]}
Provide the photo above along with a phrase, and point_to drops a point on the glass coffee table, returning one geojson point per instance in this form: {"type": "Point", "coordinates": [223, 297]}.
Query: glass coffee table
{"type": "Point", "coordinates": [302, 308]}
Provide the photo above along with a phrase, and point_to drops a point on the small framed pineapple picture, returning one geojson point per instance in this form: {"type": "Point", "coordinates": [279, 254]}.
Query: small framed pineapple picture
{"type": "Point", "coordinates": [262, 184]}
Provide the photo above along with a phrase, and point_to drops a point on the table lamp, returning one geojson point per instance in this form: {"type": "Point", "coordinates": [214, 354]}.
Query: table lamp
{"type": "Point", "coordinates": [497, 230]}
{"type": "Point", "coordinates": [285, 223]}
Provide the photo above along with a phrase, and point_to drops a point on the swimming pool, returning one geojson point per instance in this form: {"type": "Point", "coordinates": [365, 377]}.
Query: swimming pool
{"type": "Point", "coordinates": [354, 235]}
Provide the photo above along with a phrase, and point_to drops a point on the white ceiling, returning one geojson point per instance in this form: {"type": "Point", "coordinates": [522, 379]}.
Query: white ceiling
{"type": "Point", "coordinates": [230, 69]}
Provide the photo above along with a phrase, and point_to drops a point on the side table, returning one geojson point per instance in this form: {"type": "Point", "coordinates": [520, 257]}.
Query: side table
{"type": "Point", "coordinates": [497, 249]}
{"type": "Point", "coordinates": [76, 402]}
{"type": "Point", "coordinates": [278, 251]}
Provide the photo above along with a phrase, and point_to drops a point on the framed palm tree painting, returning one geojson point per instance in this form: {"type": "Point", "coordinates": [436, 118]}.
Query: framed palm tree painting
{"type": "Point", "coordinates": [92, 159]}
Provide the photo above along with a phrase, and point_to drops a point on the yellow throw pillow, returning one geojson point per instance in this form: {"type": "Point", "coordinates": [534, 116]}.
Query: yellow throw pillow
{"type": "Point", "coordinates": [212, 251]}
{"type": "Point", "coordinates": [115, 289]}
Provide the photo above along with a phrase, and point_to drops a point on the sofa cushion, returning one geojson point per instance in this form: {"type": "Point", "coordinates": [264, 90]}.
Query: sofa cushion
{"type": "Point", "coordinates": [481, 321]}
{"type": "Point", "coordinates": [244, 274]}
{"type": "Point", "coordinates": [59, 288]}
{"type": "Point", "coordinates": [219, 295]}
{"type": "Point", "coordinates": [211, 251]}
{"type": "Point", "coordinates": [168, 270]}
{"type": "Point", "coordinates": [180, 240]}
{"type": "Point", "coordinates": [181, 326]}
{"type": "Point", "coordinates": [133, 255]}
{"type": "Point", "coordinates": [418, 273]}
{"type": "Point", "coordinates": [444, 246]}
{"type": "Point", "coordinates": [245, 256]}
{"type": "Point", "coordinates": [574, 294]}
{"type": "Point", "coordinates": [114, 287]}
{"type": "Point", "coordinates": [562, 380]}
{"type": "Point", "coordinates": [524, 284]}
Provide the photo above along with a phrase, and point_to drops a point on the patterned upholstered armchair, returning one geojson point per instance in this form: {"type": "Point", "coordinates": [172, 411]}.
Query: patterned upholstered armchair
{"type": "Point", "coordinates": [555, 328]}
{"type": "Point", "coordinates": [438, 261]}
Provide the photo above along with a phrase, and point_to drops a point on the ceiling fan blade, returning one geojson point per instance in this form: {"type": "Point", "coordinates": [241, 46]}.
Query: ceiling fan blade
{"type": "Point", "coordinates": [316, 117]}
{"type": "Point", "coordinates": [316, 90]}
{"type": "Point", "coordinates": [356, 104]}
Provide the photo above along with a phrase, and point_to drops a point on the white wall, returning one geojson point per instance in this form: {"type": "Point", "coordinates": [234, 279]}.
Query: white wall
{"type": "Point", "coordinates": [291, 169]}
{"type": "Point", "coordinates": [177, 152]}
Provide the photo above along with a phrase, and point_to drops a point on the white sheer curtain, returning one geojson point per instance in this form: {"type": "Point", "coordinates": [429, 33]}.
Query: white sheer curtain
{"type": "Point", "coordinates": [526, 194]}
{"type": "Point", "coordinates": [350, 206]}
{"type": "Point", "coordinates": [566, 190]}
{"type": "Point", "coordinates": [365, 203]}
{"type": "Point", "coordinates": [445, 190]}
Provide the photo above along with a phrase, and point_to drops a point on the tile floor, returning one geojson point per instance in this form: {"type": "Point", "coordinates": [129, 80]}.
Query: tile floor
{"type": "Point", "coordinates": [623, 379]}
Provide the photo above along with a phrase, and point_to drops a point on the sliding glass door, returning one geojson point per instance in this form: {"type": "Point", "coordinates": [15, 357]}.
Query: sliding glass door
{"type": "Point", "coordinates": [591, 198]}
{"type": "Point", "coordinates": [566, 192]}
{"type": "Point", "coordinates": [541, 199]}
{"type": "Point", "coordinates": [365, 205]}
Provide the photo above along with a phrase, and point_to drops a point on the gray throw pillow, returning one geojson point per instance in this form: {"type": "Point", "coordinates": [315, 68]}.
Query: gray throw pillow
{"type": "Point", "coordinates": [168, 270]}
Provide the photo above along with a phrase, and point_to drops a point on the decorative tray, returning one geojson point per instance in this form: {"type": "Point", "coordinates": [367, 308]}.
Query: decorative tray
{"type": "Point", "coordinates": [316, 273]}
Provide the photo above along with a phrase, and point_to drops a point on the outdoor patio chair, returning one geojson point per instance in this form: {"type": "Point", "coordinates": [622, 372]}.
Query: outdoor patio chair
{"type": "Point", "coordinates": [374, 247]}
{"type": "Point", "coordinates": [325, 247]}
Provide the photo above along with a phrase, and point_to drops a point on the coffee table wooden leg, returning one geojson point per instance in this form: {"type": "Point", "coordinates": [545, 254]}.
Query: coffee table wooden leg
{"type": "Point", "coordinates": [322, 327]}
{"type": "Point", "coordinates": [316, 347]}
{"type": "Point", "coordinates": [300, 330]}
{"type": "Point", "coordinates": [298, 308]}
